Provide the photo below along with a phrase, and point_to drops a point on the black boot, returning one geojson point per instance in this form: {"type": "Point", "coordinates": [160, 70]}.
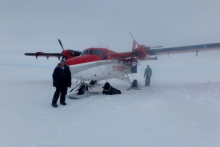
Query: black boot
{"type": "Point", "coordinates": [62, 103]}
{"type": "Point", "coordinates": [54, 105]}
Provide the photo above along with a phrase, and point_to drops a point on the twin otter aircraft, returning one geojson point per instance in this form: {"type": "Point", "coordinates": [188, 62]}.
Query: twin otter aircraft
{"type": "Point", "coordinates": [95, 64]}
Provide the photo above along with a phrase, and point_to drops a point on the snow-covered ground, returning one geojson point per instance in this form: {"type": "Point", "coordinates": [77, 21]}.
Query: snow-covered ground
{"type": "Point", "coordinates": [180, 109]}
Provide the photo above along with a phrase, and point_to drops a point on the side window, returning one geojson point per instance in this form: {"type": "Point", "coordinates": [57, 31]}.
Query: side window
{"type": "Point", "coordinates": [104, 55]}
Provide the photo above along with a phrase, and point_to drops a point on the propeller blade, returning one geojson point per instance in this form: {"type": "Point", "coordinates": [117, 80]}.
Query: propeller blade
{"type": "Point", "coordinates": [133, 38]}
{"type": "Point", "coordinates": [60, 43]}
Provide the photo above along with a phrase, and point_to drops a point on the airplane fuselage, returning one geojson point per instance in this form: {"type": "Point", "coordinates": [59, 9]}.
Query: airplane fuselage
{"type": "Point", "coordinates": [98, 64]}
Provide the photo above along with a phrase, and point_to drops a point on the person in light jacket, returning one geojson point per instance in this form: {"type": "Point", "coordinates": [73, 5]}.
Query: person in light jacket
{"type": "Point", "coordinates": [147, 75]}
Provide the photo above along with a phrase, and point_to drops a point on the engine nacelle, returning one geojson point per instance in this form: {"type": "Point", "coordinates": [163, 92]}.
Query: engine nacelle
{"type": "Point", "coordinates": [70, 54]}
{"type": "Point", "coordinates": [142, 52]}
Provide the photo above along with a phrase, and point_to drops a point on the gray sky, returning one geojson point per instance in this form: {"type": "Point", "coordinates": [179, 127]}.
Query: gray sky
{"type": "Point", "coordinates": [35, 25]}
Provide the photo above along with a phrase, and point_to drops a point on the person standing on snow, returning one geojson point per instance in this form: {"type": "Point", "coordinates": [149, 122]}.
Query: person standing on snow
{"type": "Point", "coordinates": [61, 80]}
{"type": "Point", "coordinates": [147, 75]}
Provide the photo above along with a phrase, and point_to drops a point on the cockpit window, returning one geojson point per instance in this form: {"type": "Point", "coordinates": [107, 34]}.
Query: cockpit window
{"type": "Point", "coordinates": [95, 52]}
{"type": "Point", "coordinates": [91, 52]}
{"type": "Point", "coordinates": [84, 52]}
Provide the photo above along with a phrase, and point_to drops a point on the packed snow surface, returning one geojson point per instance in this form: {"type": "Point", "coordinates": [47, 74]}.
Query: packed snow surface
{"type": "Point", "coordinates": [181, 108]}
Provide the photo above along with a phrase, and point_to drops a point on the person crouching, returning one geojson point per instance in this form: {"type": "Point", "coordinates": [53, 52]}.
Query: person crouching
{"type": "Point", "coordinates": [61, 80]}
{"type": "Point", "coordinates": [109, 90]}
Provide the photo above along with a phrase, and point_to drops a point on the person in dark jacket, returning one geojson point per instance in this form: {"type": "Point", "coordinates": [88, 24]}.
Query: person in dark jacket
{"type": "Point", "coordinates": [61, 80]}
{"type": "Point", "coordinates": [109, 90]}
{"type": "Point", "coordinates": [147, 75]}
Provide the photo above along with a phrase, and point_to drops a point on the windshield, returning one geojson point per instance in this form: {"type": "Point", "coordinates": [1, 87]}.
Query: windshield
{"type": "Point", "coordinates": [95, 52]}
{"type": "Point", "coordinates": [91, 52]}
{"type": "Point", "coordinates": [84, 52]}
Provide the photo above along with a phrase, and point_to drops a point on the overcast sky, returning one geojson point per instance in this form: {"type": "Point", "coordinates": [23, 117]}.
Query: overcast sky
{"type": "Point", "coordinates": [35, 25]}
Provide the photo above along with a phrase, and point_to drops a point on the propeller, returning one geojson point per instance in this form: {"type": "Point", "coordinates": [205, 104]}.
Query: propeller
{"type": "Point", "coordinates": [60, 43]}
{"type": "Point", "coordinates": [68, 53]}
{"type": "Point", "coordinates": [62, 48]}
{"type": "Point", "coordinates": [134, 49]}
{"type": "Point", "coordinates": [138, 52]}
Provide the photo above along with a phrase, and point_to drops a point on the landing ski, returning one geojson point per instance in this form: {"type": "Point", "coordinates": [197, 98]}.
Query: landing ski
{"type": "Point", "coordinates": [80, 96]}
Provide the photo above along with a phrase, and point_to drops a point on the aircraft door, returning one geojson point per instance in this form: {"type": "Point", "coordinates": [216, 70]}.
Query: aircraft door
{"type": "Point", "coordinates": [104, 55]}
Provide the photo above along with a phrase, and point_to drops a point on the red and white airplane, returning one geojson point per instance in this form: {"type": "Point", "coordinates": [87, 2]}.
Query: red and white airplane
{"type": "Point", "coordinates": [95, 64]}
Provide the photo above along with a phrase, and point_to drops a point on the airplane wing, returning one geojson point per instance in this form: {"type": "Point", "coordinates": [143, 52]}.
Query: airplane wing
{"type": "Point", "coordinates": [41, 54]}
{"type": "Point", "coordinates": [184, 49]}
